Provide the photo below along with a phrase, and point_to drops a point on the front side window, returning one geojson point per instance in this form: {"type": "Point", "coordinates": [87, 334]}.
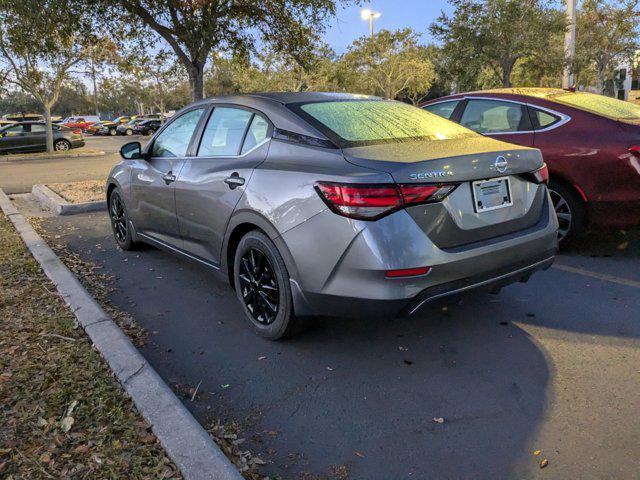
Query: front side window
{"type": "Point", "coordinates": [493, 116]}
{"type": "Point", "coordinates": [14, 130]}
{"type": "Point", "coordinates": [353, 123]}
{"type": "Point", "coordinates": [224, 132]}
{"type": "Point", "coordinates": [174, 140]}
{"type": "Point", "coordinates": [443, 109]}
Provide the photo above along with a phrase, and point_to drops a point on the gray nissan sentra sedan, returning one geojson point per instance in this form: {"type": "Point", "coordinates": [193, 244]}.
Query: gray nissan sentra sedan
{"type": "Point", "coordinates": [334, 204]}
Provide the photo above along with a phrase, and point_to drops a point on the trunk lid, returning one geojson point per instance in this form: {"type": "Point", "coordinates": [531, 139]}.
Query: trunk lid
{"type": "Point", "coordinates": [458, 220]}
{"type": "Point", "coordinates": [445, 161]}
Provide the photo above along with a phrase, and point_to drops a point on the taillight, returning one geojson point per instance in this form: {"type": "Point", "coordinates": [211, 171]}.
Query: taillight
{"type": "Point", "coordinates": [635, 150]}
{"type": "Point", "coordinates": [407, 272]}
{"type": "Point", "coordinates": [77, 132]}
{"type": "Point", "coordinates": [542, 174]}
{"type": "Point", "coordinates": [370, 202]}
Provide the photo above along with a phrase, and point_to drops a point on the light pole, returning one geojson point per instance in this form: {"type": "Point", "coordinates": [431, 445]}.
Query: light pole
{"type": "Point", "coordinates": [569, 45]}
{"type": "Point", "coordinates": [368, 14]}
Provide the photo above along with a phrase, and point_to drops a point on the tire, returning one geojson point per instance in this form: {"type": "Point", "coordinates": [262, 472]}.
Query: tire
{"type": "Point", "coordinates": [128, 132]}
{"type": "Point", "coordinates": [258, 269]}
{"type": "Point", "coordinates": [61, 145]}
{"type": "Point", "coordinates": [570, 209]}
{"type": "Point", "coordinates": [112, 132]}
{"type": "Point", "coordinates": [119, 219]}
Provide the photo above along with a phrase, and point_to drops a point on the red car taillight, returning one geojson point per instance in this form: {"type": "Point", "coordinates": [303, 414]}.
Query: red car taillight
{"type": "Point", "coordinates": [635, 150]}
{"type": "Point", "coordinates": [370, 202]}
{"type": "Point", "coordinates": [542, 174]}
{"type": "Point", "coordinates": [77, 132]}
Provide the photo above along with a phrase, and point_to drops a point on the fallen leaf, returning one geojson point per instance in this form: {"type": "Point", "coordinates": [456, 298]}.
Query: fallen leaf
{"type": "Point", "coordinates": [81, 449]}
{"type": "Point", "coordinates": [226, 385]}
{"type": "Point", "coordinates": [45, 458]}
{"type": "Point", "coordinates": [330, 369]}
{"type": "Point", "coordinates": [402, 349]}
{"type": "Point", "coordinates": [66, 423]}
{"type": "Point", "coordinates": [359, 454]}
{"type": "Point", "coordinates": [261, 358]}
{"type": "Point", "coordinates": [438, 419]}
{"type": "Point", "coordinates": [536, 452]}
{"type": "Point", "coordinates": [623, 245]}
{"type": "Point", "coordinates": [544, 463]}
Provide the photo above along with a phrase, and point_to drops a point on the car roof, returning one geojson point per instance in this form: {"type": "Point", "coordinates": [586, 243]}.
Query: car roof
{"type": "Point", "coordinates": [286, 98]}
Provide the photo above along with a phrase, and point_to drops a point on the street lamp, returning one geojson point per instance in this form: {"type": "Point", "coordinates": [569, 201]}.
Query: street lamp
{"type": "Point", "coordinates": [367, 14]}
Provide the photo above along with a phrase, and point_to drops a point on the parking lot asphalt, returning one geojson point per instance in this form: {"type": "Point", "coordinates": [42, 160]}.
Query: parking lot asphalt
{"type": "Point", "coordinates": [20, 176]}
{"type": "Point", "coordinates": [551, 365]}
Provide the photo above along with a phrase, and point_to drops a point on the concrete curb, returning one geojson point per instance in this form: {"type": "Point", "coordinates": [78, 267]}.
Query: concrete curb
{"type": "Point", "coordinates": [182, 437]}
{"type": "Point", "coordinates": [30, 158]}
{"type": "Point", "coordinates": [60, 206]}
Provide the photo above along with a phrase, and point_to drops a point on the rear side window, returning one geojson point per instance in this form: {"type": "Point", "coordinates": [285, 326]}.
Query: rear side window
{"type": "Point", "coordinates": [257, 133]}
{"type": "Point", "coordinates": [542, 119]}
{"type": "Point", "coordinates": [443, 109]}
{"type": "Point", "coordinates": [174, 140]}
{"type": "Point", "coordinates": [37, 128]}
{"type": "Point", "coordinates": [224, 132]}
{"type": "Point", "coordinates": [494, 116]}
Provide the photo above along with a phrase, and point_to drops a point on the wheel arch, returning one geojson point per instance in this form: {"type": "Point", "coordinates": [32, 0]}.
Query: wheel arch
{"type": "Point", "coordinates": [239, 225]}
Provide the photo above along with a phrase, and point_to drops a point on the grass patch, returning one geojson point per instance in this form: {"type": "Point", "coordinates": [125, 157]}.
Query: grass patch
{"type": "Point", "coordinates": [62, 414]}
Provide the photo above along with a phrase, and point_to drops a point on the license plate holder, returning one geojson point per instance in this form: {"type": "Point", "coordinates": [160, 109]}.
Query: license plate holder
{"type": "Point", "coordinates": [491, 194]}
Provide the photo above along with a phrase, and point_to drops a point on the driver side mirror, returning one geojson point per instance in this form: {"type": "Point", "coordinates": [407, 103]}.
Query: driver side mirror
{"type": "Point", "coordinates": [131, 151]}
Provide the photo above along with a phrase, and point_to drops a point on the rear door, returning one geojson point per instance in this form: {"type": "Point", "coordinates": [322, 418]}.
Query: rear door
{"type": "Point", "coordinates": [500, 119]}
{"type": "Point", "coordinates": [233, 143]}
{"type": "Point", "coordinates": [37, 139]}
{"type": "Point", "coordinates": [153, 206]}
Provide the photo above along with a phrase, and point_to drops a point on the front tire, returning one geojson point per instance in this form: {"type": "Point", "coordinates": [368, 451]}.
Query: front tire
{"type": "Point", "coordinates": [129, 132]}
{"type": "Point", "coordinates": [570, 210]}
{"type": "Point", "coordinates": [112, 132]}
{"type": "Point", "coordinates": [262, 287]}
{"type": "Point", "coordinates": [120, 224]}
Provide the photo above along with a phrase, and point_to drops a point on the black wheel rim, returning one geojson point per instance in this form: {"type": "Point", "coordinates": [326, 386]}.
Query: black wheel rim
{"type": "Point", "coordinates": [118, 220]}
{"type": "Point", "coordinates": [563, 212]}
{"type": "Point", "coordinates": [259, 287]}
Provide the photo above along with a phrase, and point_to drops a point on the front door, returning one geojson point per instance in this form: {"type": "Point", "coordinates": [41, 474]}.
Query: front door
{"type": "Point", "coordinates": [14, 138]}
{"type": "Point", "coordinates": [153, 206]}
{"type": "Point", "coordinates": [209, 186]}
{"type": "Point", "coordinates": [499, 119]}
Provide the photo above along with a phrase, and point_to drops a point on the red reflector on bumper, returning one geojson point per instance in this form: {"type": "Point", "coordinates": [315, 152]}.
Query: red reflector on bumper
{"type": "Point", "coordinates": [408, 272]}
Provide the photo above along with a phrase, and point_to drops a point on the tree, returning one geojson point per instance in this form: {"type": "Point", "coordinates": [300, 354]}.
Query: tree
{"type": "Point", "coordinates": [606, 34]}
{"type": "Point", "coordinates": [390, 64]}
{"type": "Point", "coordinates": [195, 29]}
{"type": "Point", "coordinates": [494, 35]}
{"type": "Point", "coordinates": [38, 50]}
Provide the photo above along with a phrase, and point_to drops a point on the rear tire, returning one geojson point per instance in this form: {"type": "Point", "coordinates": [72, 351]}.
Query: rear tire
{"type": "Point", "coordinates": [570, 209]}
{"type": "Point", "coordinates": [129, 132]}
{"type": "Point", "coordinates": [120, 223]}
{"type": "Point", "coordinates": [61, 145]}
{"type": "Point", "coordinates": [112, 132]}
{"type": "Point", "coordinates": [262, 287]}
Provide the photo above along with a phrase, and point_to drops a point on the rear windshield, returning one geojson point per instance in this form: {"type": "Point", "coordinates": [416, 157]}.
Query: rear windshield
{"type": "Point", "coordinates": [600, 105]}
{"type": "Point", "coordinates": [366, 122]}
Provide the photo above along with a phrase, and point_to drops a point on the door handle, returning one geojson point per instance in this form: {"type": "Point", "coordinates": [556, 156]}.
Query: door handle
{"type": "Point", "coordinates": [234, 180]}
{"type": "Point", "coordinates": [168, 178]}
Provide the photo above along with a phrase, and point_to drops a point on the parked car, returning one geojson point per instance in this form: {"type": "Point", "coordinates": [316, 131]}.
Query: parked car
{"type": "Point", "coordinates": [128, 128]}
{"type": "Point", "coordinates": [4, 123]}
{"type": "Point", "coordinates": [108, 128]}
{"type": "Point", "coordinates": [590, 142]}
{"type": "Point", "coordinates": [30, 137]}
{"type": "Point", "coordinates": [23, 117]}
{"type": "Point", "coordinates": [147, 127]}
{"type": "Point", "coordinates": [82, 122]}
{"type": "Point", "coordinates": [94, 128]}
{"type": "Point", "coordinates": [319, 203]}
{"type": "Point", "coordinates": [122, 119]}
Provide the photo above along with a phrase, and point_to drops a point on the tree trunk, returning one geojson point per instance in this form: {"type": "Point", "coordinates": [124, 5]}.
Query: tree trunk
{"type": "Point", "coordinates": [49, 129]}
{"type": "Point", "coordinates": [95, 88]}
{"type": "Point", "coordinates": [601, 80]}
{"type": "Point", "coordinates": [506, 75]}
{"type": "Point", "coordinates": [196, 80]}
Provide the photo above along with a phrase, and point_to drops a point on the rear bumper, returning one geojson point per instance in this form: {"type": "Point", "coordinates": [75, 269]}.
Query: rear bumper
{"type": "Point", "coordinates": [77, 143]}
{"type": "Point", "coordinates": [341, 271]}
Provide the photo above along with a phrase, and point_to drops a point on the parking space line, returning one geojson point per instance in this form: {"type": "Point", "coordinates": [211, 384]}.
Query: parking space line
{"type": "Point", "coordinates": [599, 276]}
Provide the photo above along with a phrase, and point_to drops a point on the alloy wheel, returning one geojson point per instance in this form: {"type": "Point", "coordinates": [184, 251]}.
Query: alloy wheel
{"type": "Point", "coordinates": [118, 218]}
{"type": "Point", "coordinates": [563, 212]}
{"type": "Point", "coordinates": [259, 286]}
{"type": "Point", "coordinates": [61, 146]}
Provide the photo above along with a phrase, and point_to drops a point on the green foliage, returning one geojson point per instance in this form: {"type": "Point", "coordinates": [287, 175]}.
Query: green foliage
{"type": "Point", "coordinates": [484, 40]}
{"type": "Point", "coordinates": [391, 64]}
{"type": "Point", "coordinates": [606, 35]}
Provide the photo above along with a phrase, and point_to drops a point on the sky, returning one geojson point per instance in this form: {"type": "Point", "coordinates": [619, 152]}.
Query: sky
{"type": "Point", "coordinates": [395, 14]}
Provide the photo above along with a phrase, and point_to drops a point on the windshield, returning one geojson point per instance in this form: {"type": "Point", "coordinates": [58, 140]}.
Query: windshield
{"type": "Point", "coordinates": [600, 105]}
{"type": "Point", "coordinates": [366, 122]}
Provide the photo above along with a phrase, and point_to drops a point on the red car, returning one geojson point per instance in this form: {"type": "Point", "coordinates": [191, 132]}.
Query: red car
{"type": "Point", "coordinates": [591, 144]}
{"type": "Point", "coordinates": [82, 123]}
